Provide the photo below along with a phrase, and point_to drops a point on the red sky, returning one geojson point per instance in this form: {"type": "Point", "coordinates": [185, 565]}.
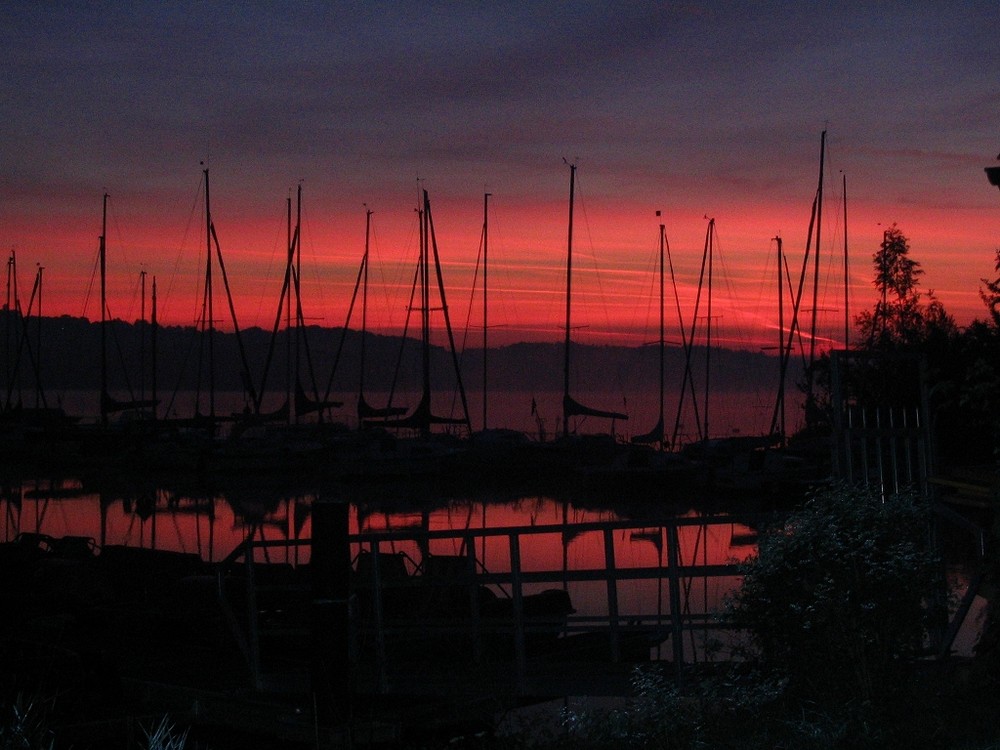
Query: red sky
{"type": "Point", "coordinates": [696, 110]}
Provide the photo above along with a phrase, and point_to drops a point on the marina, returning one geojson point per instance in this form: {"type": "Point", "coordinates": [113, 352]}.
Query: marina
{"type": "Point", "coordinates": [471, 601]}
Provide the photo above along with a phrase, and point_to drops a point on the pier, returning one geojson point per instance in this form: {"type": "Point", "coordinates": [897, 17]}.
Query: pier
{"type": "Point", "coordinates": [480, 612]}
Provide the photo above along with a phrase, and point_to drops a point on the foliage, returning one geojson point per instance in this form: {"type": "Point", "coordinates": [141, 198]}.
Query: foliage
{"type": "Point", "coordinates": [903, 324]}
{"type": "Point", "coordinates": [24, 726]}
{"type": "Point", "coordinates": [737, 707]}
{"type": "Point", "coordinates": [897, 315]}
{"type": "Point", "coordinates": [715, 712]}
{"type": "Point", "coordinates": [655, 717]}
{"type": "Point", "coordinates": [165, 736]}
{"type": "Point", "coordinates": [991, 294]}
{"type": "Point", "coordinates": [841, 595]}
{"type": "Point", "coordinates": [901, 316]}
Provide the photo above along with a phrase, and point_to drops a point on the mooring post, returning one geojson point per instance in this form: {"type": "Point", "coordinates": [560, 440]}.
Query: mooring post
{"type": "Point", "coordinates": [330, 563]}
{"type": "Point", "coordinates": [673, 577]}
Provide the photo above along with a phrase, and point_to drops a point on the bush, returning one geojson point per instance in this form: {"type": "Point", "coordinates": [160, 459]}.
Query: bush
{"type": "Point", "coordinates": [840, 597]}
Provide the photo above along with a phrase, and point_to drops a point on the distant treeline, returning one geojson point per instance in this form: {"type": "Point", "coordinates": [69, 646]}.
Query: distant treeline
{"type": "Point", "coordinates": [67, 351]}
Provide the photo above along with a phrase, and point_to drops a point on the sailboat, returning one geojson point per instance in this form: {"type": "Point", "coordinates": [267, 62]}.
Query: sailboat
{"type": "Point", "coordinates": [641, 466]}
{"type": "Point", "coordinates": [304, 403]}
{"type": "Point", "coordinates": [376, 451]}
{"type": "Point", "coordinates": [27, 432]}
{"type": "Point", "coordinates": [365, 411]}
{"type": "Point", "coordinates": [815, 223]}
{"type": "Point", "coordinates": [298, 402]}
{"type": "Point", "coordinates": [764, 463]}
{"type": "Point", "coordinates": [422, 417]}
{"type": "Point", "coordinates": [111, 405]}
{"type": "Point", "coordinates": [656, 435]}
{"type": "Point", "coordinates": [572, 407]}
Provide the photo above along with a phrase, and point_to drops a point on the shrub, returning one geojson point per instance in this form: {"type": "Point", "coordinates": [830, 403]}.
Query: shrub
{"type": "Point", "coordinates": [842, 594]}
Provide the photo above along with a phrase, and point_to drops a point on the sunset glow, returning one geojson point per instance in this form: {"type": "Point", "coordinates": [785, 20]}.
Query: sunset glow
{"type": "Point", "coordinates": [651, 119]}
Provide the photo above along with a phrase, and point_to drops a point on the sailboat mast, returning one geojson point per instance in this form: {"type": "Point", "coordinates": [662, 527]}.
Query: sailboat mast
{"type": "Point", "coordinates": [104, 334]}
{"type": "Point", "coordinates": [152, 346]}
{"type": "Point", "coordinates": [288, 310]}
{"type": "Point", "coordinates": [847, 315]}
{"type": "Point", "coordinates": [7, 308]}
{"type": "Point", "coordinates": [432, 245]}
{"type": "Point", "coordinates": [819, 227]}
{"type": "Point", "coordinates": [299, 323]}
{"type": "Point", "coordinates": [781, 341]}
{"type": "Point", "coordinates": [425, 301]}
{"type": "Point", "coordinates": [364, 305]}
{"type": "Point", "coordinates": [569, 296]}
{"type": "Point", "coordinates": [13, 310]}
{"type": "Point", "coordinates": [708, 325]}
{"type": "Point", "coordinates": [142, 335]}
{"type": "Point", "coordinates": [209, 301]}
{"type": "Point", "coordinates": [486, 265]}
{"type": "Point", "coordinates": [663, 242]}
{"type": "Point", "coordinates": [39, 395]}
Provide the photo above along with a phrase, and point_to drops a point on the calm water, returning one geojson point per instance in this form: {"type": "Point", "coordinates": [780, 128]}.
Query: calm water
{"type": "Point", "coordinates": [212, 524]}
{"type": "Point", "coordinates": [730, 412]}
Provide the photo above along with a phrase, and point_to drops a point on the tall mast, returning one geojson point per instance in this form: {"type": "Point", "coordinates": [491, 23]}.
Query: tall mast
{"type": "Point", "coordinates": [781, 342]}
{"type": "Point", "coordinates": [209, 301]}
{"type": "Point", "coordinates": [288, 312]}
{"type": "Point", "coordinates": [432, 245]}
{"type": "Point", "coordinates": [13, 310]}
{"type": "Point", "coordinates": [8, 308]}
{"type": "Point", "coordinates": [570, 406]}
{"type": "Point", "coordinates": [847, 315]}
{"type": "Point", "coordinates": [793, 326]}
{"type": "Point", "coordinates": [104, 335]}
{"type": "Point", "coordinates": [708, 324]}
{"type": "Point", "coordinates": [364, 305]}
{"type": "Point", "coordinates": [299, 322]}
{"type": "Point", "coordinates": [663, 242]}
{"type": "Point", "coordinates": [12, 281]}
{"type": "Point", "coordinates": [819, 227]}
{"type": "Point", "coordinates": [486, 265]}
{"type": "Point", "coordinates": [657, 434]}
{"type": "Point", "coordinates": [39, 395]}
{"type": "Point", "coordinates": [425, 303]}
{"type": "Point", "coordinates": [569, 296]}
{"type": "Point", "coordinates": [152, 345]}
{"type": "Point", "coordinates": [142, 335]}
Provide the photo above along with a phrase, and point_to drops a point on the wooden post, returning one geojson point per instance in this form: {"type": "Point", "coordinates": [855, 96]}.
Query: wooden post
{"type": "Point", "coordinates": [673, 577]}
{"type": "Point", "coordinates": [612, 588]}
{"type": "Point", "coordinates": [331, 571]}
{"type": "Point", "coordinates": [520, 653]}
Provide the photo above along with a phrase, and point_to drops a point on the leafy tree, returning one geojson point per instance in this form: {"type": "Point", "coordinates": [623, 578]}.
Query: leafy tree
{"type": "Point", "coordinates": [991, 294]}
{"type": "Point", "coordinates": [900, 317]}
{"type": "Point", "coordinates": [966, 385]}
{"type": "Point", "coordinates": [903, 321]}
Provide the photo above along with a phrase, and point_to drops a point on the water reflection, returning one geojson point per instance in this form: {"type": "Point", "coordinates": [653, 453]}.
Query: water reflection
{"type": "Point", "coordinates": [562, 538]}
{"type": "Point", "coordinates": [213, 522]}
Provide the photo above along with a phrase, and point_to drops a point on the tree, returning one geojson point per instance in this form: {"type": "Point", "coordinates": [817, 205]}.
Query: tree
{"type": "Point", "coordinates": [903, 315]}
{"type": "Point", "coordinates": [991, 294]}
{"type": "Point", "coordinates": [903, 321]}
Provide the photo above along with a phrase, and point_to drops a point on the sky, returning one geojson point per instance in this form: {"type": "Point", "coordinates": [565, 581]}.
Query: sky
{"type": "Point", "coordinates": [699, 110]}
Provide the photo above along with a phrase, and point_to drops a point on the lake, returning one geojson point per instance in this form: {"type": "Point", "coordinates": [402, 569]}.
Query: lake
{"type": "Point", "coordinates": [739, 412]}
{"type": "Point", "coordinates": [560, 541]}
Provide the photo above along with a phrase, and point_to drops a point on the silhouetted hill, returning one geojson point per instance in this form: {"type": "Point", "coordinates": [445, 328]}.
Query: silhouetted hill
{"type": "Point", "coordinates": [68, 353]}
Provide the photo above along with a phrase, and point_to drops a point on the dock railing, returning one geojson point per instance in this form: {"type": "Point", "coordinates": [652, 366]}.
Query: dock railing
{"type": "Point", "coordinates": [493, 610]}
